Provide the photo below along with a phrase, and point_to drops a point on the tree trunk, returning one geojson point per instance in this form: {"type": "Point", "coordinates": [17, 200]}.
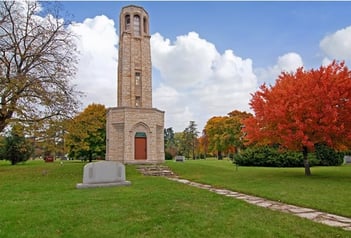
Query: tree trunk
{"type": "Point", "coordinates": [90, 157]}
{"type": "Point", "coordinates": [2, 125]}
{"type": "Point", "coordinates": [305, 161]}
{"type": "Point", "coordinates": [220, 157]}
{"type": "Point", "coordinates": [193, 147]}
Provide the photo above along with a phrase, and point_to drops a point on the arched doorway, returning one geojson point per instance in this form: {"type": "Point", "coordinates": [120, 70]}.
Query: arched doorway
{"type": "Point", "coordinates": [140, 146]}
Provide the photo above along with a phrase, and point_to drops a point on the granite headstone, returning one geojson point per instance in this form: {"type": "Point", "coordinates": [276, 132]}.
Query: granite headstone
{"type": "Point", "coordinates": [103, 174]}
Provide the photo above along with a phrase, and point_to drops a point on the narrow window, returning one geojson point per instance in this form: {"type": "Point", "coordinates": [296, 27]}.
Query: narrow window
{"type": "Point", "coordinates": [127, 22]}
{"type": "Point", "coordinates": [137, 78]}
{"type": "Point", "coordinates": [136, 25]}
{"type": "Point", "coordinates": [137, 101]}
{"type": "Point", "coordinates": [145, 25]}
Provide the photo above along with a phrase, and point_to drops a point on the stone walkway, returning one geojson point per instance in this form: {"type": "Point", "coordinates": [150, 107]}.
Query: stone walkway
{"type": "Point", "coordinates": [311, 214]}
{"type": "Point", "coordinates": [314, 215]}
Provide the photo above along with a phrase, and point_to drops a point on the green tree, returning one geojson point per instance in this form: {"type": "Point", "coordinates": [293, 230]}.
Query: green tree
{"type": "Point", "coordinates": [37, 61]}
{"type": "Point", "coordinates": [170, 145]}
{"type": "Point", "coordinates": [86, 133]}
{"type": "Point", "coordinates": [214, 133]}
{"type": "Point", "coordinates": [178, 141]}
{"type": "Point", "coordinates": [169, 137]}
{"type": "Point", "coordinates": [16, 148]}
{"type": "Point", "coordinates": [189, 141]}
{"type": "Point", "coordinates": [233, 134]}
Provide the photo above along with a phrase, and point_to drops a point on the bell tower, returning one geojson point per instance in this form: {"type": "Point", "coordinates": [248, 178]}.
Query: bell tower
{"type": "Point", "coordinates": [134, 66]}
{"type": "Point", "coordinates": [134, 129]}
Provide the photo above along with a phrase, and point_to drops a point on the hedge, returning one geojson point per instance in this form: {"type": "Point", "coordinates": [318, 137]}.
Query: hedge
{"type": "Point", "coordinates": [266, 156]}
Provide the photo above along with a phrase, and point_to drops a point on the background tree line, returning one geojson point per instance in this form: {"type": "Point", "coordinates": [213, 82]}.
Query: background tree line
{"type": "Point", "coordinates": [222, 136]}
{"type": "Point", "coordinates": [306, 111]}
{"type": "Point", "coordinates": [39, 106]}
{"type": "Point", "coordinates": [82, 137]}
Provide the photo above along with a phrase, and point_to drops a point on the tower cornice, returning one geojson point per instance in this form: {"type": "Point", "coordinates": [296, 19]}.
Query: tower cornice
{"type": "Point", "coordinates": [134, 6]}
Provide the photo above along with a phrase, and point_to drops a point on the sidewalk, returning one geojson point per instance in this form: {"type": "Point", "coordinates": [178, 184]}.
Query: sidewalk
{"type": "Point", "coordinates": [308, 213]}
{"type": "Point", "coordinates": [311, 214]}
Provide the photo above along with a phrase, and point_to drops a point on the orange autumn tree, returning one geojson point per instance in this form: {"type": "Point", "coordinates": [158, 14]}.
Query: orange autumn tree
{"type": "Point", "coordinates": [302, 109]}
{"type": "Point", "coordinates": [224, 133]}
{"type": "Point", "coordinates": [202, 145]}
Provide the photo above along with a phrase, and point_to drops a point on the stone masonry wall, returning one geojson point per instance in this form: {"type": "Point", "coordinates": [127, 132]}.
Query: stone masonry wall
{"type": "Point", "coordinates": [123, 122]}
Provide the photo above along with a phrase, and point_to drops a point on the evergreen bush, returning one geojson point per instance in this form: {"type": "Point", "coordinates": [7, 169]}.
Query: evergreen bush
{"type": "Point", "coordinates": [328, 156]}
{"type": "Point", "coordinates": [267, 156]}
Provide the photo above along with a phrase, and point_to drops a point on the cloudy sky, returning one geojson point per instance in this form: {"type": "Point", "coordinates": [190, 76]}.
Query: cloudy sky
{"type": "Point", "coordinates": [208, 57]}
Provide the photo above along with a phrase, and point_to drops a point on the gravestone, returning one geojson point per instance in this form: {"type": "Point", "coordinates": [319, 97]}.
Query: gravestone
{"type": "Point", "coordinates": [179, 158]}
{"type": "Point", "coordinates": [103, 174]}
{"type": "Point", "coordinates": [347, 159]}
{"type": "Point", "coordinates": [49, 159]}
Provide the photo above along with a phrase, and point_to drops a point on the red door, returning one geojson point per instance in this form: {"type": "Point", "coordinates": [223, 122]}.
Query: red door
{"type": "Point", "coordinates": [140, 148]}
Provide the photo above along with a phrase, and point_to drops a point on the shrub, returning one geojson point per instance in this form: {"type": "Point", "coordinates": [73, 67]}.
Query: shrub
{"type": "Point", "coordinates": [15, 148]}
{"type": "Point", "coordinates": [268, 157]}
{"type": "Point", "coordinates": [202, 156]}
{"type": "Point", "coordinates": [272, 157]}
{"type": "Point", "coordinates": [168, 156]}
{"type": "Point", "coordinates": [328, 156]}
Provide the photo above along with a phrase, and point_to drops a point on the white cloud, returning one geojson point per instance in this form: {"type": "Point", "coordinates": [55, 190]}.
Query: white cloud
{"type": "Point", "coordinates": [169, 99]}
{"type": "Point", "coordinates": [97, 68]}
{"type": "Point", "coordinates": [326, 61]}
{"type": "Point", "coordinates": [197, 81]}
{"type": "Point", "coordinates": [286, 63]}
{"type": "Point", "coordinates": [289, 62]}
{"type": "Point", "coordinates": [337, 45]}
{"type": "Point", "coordinates": [185, 63]}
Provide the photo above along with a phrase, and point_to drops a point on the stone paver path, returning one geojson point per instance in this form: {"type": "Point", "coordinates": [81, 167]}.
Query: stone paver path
{"type": "Point", "coordinates": [314, 215]}
{"type": "Point", "coordinates": [311, 214]}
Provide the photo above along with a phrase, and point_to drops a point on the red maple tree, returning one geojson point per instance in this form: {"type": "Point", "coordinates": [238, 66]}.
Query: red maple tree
{"type": "Point", "coordinates": [302, 109]}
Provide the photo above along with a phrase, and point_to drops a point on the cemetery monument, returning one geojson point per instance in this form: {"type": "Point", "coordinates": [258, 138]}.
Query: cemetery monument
{"type": "Point", "coordinates": [134, 129]}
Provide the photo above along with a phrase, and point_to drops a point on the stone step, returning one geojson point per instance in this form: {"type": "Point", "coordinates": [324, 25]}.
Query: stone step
{"type": "Point", "coordinates": [155, 170]}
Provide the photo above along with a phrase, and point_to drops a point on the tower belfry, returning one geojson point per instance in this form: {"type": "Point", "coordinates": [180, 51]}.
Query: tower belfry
{"type": "Point", "coordinates": [134, 66]}
{"type": "Point", "coordinates": [134, 130]}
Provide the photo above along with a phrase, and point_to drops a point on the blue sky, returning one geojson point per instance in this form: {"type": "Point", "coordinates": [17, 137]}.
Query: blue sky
{"type": "Point", "coordinates": [257, 30]}
{"type": "Point", "coordinates": [263, 38]}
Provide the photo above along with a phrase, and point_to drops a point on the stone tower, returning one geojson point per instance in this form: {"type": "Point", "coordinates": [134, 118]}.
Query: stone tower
{"type": "Point", "coordinates": [134, 130]}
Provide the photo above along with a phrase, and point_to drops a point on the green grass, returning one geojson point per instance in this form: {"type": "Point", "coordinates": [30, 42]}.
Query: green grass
{"type": "Point", "coordinates": [328, 189]}
{"type": "Point", "coordinates": [40, 200]}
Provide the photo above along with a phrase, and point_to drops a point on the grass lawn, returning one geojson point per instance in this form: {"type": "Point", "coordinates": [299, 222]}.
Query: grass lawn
{"type": "Point", "coordinates": [40, 200]}
{"type": "Point", "coordinates": [328, 189]}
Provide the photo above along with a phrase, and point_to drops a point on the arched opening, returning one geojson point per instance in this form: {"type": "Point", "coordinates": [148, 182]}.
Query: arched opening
{"type": "Point", "coordinates": [136, 24]}
{"type": "Point", "coordinates": [127, 22]}
{"type": "Point", "coordinates": [140, 146]}
{"type": "Point", "coordinates": [145, 25]}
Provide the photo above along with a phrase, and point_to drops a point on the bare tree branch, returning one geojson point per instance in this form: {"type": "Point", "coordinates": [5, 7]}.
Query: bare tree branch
{"type": "Point", "coordinates": [38, 59]}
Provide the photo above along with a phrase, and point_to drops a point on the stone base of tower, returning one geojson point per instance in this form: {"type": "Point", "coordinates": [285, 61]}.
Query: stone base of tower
{"type": "Point", "coordinates": [135, 135]}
